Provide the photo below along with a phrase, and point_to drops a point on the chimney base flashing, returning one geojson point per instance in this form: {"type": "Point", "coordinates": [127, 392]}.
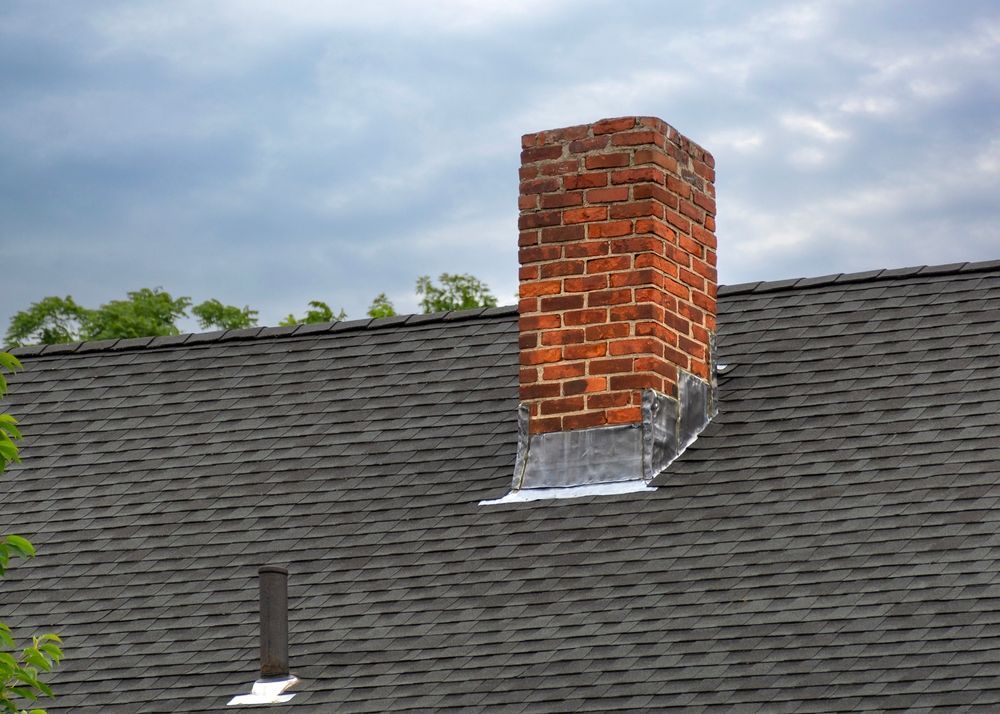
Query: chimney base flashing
{"type": "Point", "coordinates": [614, 459]}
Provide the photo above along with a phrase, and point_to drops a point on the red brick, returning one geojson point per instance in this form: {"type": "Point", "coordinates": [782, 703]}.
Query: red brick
{"type": "Point", "coordinates": [541, 153]}
{"type": "Point", "coordinates": [706, 237]}
{"type": "Point", "coordinates": [529, 375]}
{"type": "Point", "coordinates": [561, 200]}
{"type": "Point", "coordinates": [539, 185]}
{"type": "Point", "coordinates": [558, 234]}
{"type": "Point", "coordinates": [633, 278]}
{"type": "Point", "coordinates": [558, 303]}
{"type": "Point", "coordinates": [642, 380]}
{"type": "Point", "coordinates": [654, 191]}
{"type": "Point", "coordinates": [705, 202]}
{"type": "Point", "coordinates": [590, 249]}
{"type": "Point", "coordinates": [541, 356]}
{"type": "Point", "coordinates": [539, 322]}
{"type": "Point", "coordinates": [607, 195]}
{"type": "Point", "coordinates": [677, 323]}
{"type": "Point", "coordinates": [636, 209]}
{"type": "Point", "coordinates": [677, 220]}
{"type": "Point", "coordinates": [609, 297]}
{"type": "Point", "coordinates": [629, 313]}
{"type": "Point", "coordinates": [637, 244]}
{"type": "Point", "coordinates": [610, 366]}
{"type": "Point", "coordinates": [572, 183]}
{"type": "Point", "coordinates": [567, 133]}
{"type": "Point", "coordinates": [539, 390]}
{"type": "Point", "coordinates": [609, 230]}
{"type": "Point", "coordinates": [527, 340]}
{"type": "Point", "coordinates": [584, 317]}
{"type": "Point", "coordinates": [595, 143]}
{"type": "Point", "coordinates": [527, 272]}
{"type": "Point", "coordinates": [692, 279]}
{"type": "Point", "coordinates": [527, 172]}
{"type": "Point", "coordinates": [562, 267]}
{"type": "Point", "coordinates": [585, 284]}
{"type": "Point", "coordinates": [583, 421]}
{"type": "Point", "coordinates": [538, 253]}
{"type": "Point", "coordinates": [692, 348]}
{"type": "Point", "coordinates": [624, 415]}
{"type": "Point", "coordinates": [527, 238]}
{"type": "Point", "coordinates": [585, 215]}
{"type": "Point", "coordinates": [546, 425]}
{"type": "Point", "coordinates": [562, 337]}
{"type": "Point", "coordinates": [527, 305]}
{"type": "Point", "coordinates": [691, 312]}
{"type": "Point", "coordinates": [539, 219]}
{"type": "Point", "coordinates": [607, 161]}
{"type": "Point", "coordinates": [705, 270]}
{"type": "Point", "coordinates": [559, 168]}
{"type": "Point", "coordinates": [610, 126]}
{"type": "Point", "coordinates": [636, 175]}
{"type": "Point", "coordinates": [637, 138]}
{"type": "Point", "coordinates": [608, 331]}
{"type": "Point", "coordinates": [691, 211]}
{"type": "Point", "coordinates": [544, 287]}
{"type": "Point", "coordinates": [564, 370]}
{"type": "Point", "coordinates": [609, 399]}
{"type": "Point", "coordinates": [677, 187]}
{"type": "Point", "coordinates": [561, 406]}
{"type": "Point", "coordinates": [691, 245]}
{"type": "Point", "coordinates": [526, 203]}
{"type": "Point", "coordinates": [704, 302]}
{"type": "Point", "coordinates": [656, 227]}
{"type": "Point", "coordinates": [651, 156]}
{"type": "Point", "coordinates": [586, 350]}
{"type": "Point", "coordinates": [635, 346]}
{"type": "Point", "coordinates": [606, 265]}
{"type": "Point", "coordinates": [584, 386]}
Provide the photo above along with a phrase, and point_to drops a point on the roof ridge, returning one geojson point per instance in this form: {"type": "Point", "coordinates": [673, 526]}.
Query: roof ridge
{"type": "Point", "coordinates": [859, 277]}
{"type": "Point", "coordinates": [252, 333]}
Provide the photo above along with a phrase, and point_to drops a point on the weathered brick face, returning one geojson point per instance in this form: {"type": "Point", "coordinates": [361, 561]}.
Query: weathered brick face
{"type": "Point", "coordinates": [618, 269]}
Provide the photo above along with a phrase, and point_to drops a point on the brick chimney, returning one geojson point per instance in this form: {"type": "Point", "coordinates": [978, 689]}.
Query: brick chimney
{"type": "Point", "coordinates": [617, 281]}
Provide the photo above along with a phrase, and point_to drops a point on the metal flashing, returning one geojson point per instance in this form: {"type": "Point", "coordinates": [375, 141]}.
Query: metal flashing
{"type": "Point", "coordinates": [611, 459]}
{"type": "Point", "coordinates": [597, 489]}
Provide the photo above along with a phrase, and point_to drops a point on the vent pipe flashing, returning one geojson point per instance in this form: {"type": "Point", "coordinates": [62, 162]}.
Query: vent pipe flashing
{"type": "Point", "coordinates": [274, 675]}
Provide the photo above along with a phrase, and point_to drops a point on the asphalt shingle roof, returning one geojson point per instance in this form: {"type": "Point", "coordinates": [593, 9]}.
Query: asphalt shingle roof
{"type": "Point", "coordinates": [829, 543]}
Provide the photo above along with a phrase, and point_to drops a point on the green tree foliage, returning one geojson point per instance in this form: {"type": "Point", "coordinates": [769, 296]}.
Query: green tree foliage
{"type": "Point", "coordinates": [22, 669]}
{"type": "Point", "coordinates": [213, 313]}
{"type": "Point", "coordinates": [49, 321]}
{"type": "Point", "coordinates": [320, 312]}
{"type": "Point", "coordinates": [381, 307]}
{"type": "Point", "coordinates": [144, 313]}
{"type": "Point", "coordinates": [150, 312]}
{"type": "Point", "coordinates": [456, 292]}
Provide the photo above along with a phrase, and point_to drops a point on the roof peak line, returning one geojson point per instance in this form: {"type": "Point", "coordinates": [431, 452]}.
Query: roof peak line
{"type": "Point", "coordinates": [866, 276]}
{"type": "Point", "coordinates": [189, 339]}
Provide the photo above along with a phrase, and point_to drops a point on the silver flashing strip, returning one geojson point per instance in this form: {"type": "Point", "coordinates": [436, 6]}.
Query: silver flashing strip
{"type": "Point", "coordinates": [594, 489]}
{"type": "Point", "coordinates": [267, 691]}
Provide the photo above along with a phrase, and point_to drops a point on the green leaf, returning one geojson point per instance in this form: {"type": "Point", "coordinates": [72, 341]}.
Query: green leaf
{"type": "Point", "coordinates": [21, 545]}
{"type": "Point", "coordinates": [10, 362]}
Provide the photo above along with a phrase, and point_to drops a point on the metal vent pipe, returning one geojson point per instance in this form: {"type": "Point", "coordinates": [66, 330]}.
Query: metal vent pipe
{"type": "Point", "coordinates": [273, 621]}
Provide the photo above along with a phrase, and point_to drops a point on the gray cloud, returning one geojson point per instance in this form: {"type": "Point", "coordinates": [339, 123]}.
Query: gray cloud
{"type": "Point", "coordinates": [271, 153]}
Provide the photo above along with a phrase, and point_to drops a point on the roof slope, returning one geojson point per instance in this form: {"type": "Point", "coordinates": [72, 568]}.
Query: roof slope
{"type": "Point", "coordinates": [828, 544]}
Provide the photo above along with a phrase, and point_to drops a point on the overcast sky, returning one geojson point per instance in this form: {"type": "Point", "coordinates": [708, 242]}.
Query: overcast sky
{"type": "Point", "coordinates": [268, 153]}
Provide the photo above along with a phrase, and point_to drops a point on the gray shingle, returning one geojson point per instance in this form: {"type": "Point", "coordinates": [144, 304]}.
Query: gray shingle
{"type": "Point", "coordinates": [828, 543]}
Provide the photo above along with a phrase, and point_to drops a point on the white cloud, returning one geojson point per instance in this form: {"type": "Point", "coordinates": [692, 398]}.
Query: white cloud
{"type": "Point", "coordinates": [813, 126]}
{"type": "Point", "coordinates": [742, 141]}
